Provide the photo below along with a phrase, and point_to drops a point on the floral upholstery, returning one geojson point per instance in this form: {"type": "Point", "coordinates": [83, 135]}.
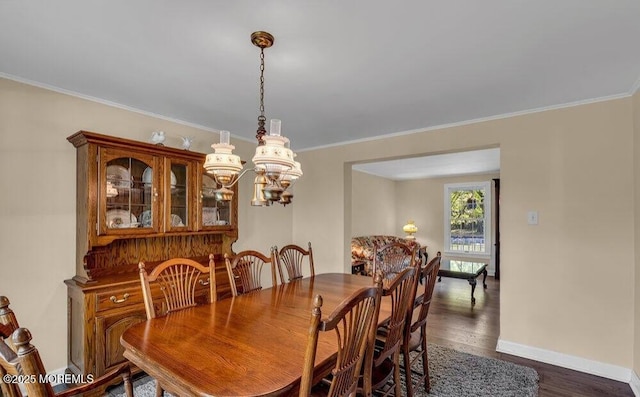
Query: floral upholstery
{"type": "Point", "coordinates": [363, 247]}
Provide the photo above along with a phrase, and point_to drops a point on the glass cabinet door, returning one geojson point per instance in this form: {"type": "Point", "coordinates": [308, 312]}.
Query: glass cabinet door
{"type": "Point", "coordinates": [214, 213]}
{"type": "Point", "coordinates": [177, 181]}
{"type": "Point", "coordinates": [127, 192]}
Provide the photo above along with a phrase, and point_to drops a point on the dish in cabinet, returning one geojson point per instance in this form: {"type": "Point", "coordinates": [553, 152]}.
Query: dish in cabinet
{"type": "Point", "coordinates": [119, 176]}
{"type": "Point", "coordinates": [145, 218]}
{"type": "Point", "coordinates": [120, 219]}
{"type": "Point", "coordinates": [176, 220]}
{"type": "Point", "coordinates": [147, 178]}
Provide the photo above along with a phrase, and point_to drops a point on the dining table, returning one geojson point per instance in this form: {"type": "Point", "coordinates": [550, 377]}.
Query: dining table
{"type": "Point", "coordinates": [249, 345]}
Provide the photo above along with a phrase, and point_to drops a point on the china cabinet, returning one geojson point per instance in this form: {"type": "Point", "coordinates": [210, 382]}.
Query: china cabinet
{"type": "Point", "coordinates": [136, 202]}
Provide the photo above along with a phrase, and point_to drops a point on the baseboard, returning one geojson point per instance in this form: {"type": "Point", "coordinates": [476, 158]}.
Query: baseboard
{"type": "Point", "coordinates": [635, 384]}
{"type": "Point", "coordinates": [592, 367]}
{"type": "Point", "coordinates": [57, 376]}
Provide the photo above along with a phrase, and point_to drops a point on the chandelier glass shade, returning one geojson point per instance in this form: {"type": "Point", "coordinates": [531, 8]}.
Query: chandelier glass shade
{"type": "Point", "coordinates": [273, 160]}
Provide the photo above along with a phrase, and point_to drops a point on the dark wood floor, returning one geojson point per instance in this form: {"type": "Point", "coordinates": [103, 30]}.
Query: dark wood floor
{"type": "Point", "coordinates": [454, 323]}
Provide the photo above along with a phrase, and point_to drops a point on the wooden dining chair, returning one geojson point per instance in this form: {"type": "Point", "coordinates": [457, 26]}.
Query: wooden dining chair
{"type": "Point", "coordinates": [393, 258]}
{"type": "Point", "coordinates": [353, 322]}
{"type": "Point", "coordinates": [20, 361]}
{"type": "Point", "coordinates": [178, 279]}
{"type": "Point", "coordinates": [292, 258]}
{"type": "Point", "coordinates": [8, 320]}
{"type": "Point", "coordinates": [7, 317]}
{"type": "Point", "coordinates": [8, 324]}
{"type": "Point", "coordinates": [383, 365]}
{"type": "Point", "coordinates": [415, 338]}
{"type": "Point", "coordinates": [245, 270]}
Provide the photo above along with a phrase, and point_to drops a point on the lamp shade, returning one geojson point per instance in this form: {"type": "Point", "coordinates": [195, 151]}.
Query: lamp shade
{"type": "Point", "coordinates": [410, 228]}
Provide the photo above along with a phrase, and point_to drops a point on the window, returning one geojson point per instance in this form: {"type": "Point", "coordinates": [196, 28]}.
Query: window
{"type": "Point", "coordinates": [467, 222]}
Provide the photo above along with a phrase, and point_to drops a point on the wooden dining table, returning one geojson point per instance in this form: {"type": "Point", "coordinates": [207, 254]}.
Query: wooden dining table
{"type": "Point", "coordinates": [250, 345]}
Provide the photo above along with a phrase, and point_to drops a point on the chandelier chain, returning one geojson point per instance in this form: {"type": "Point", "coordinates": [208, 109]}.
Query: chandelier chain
{"type": "Point", "coordinates": [261, 119]}
{"type": "Point", "coordinates": [273, 160]}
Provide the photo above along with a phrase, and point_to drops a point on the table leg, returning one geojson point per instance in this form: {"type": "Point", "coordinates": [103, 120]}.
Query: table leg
{"type": "Point", "coordinates": [472, 283]}
{"type": "Point", "coordinates": [484, 279]}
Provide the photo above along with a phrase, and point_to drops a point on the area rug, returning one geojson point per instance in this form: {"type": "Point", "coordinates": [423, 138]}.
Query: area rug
{"type": "Point", "coordinates": [453, 374]}
{"type": "Point", "coordinates": [458, 374]}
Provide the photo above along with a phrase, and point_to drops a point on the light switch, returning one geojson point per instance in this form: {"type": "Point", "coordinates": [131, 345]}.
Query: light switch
{"type": "Point", "coordinates": [532, 217]}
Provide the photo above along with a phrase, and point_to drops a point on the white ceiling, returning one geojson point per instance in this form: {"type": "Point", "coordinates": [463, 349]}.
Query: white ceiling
{"type": "Point", "coordinates": [462, 163]}
{"type": "Point", "coordinates": [339, 70]}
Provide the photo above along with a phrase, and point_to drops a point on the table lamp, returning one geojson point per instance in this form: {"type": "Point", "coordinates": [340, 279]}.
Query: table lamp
{"type": "Point", "coordinates": [410, 228]}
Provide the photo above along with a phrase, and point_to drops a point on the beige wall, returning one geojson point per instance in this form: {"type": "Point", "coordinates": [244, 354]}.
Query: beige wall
{"type": "Point", "coordinates": [37, 232]}
{"type": "Point", "coordinates": [375, 212]}
{"type": "Point", "coordinates": [422, 201]}
{"type": "Point", "coordinates": [567, 283]}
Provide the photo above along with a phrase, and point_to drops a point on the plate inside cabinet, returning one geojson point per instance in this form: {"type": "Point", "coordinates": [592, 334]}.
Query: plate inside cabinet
{"type": "Point", "coordinates": [120, 219]}
{"type": "Point", "coordinates": [119, 176]}
{"type": "Point", "coordinates": [174, 180]}
{"type": "Point", "coordinates": [176, 220]}
{"type": "Point", "coordinates": [145, 218]}
{"type": "Point", "coordinates": [147, 178]}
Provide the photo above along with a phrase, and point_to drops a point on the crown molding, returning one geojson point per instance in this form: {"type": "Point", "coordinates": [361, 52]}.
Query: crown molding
{"type": "Point", "coordinates": [472, 121]}
{"type": "Point", "coordinates": [635, 88]}
{"type": "Point", "coordinates": [106, 102]}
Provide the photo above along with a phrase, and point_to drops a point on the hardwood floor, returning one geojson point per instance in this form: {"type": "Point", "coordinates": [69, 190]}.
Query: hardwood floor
{"type": "Point", "coordinates": [454, 323]}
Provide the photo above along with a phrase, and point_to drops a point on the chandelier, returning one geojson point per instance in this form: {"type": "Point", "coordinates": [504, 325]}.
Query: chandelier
{"type": "Point", "coordinates": [273, 161]}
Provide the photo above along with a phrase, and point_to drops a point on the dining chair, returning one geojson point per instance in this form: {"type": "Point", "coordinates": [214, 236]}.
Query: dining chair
{"type": "Point", "coordinates": [353, 323]}
{"type": "Point", "coordinates": [20, 364]}
{"type": "Point", "coordinates": [415, 338]}
{"type": "Point", "coordinates": [178, 279]}
{"type": "Point", "coordinates": [292, 258]}
{"type": "Point", "coordinates": [383, 365]}
{"type": "Point", "coordinates": [390, 259]}
{"type": "Point", "coordinates": [8, 320]}
{"type": "Point", "coordinates": [245, 270]}
{"type": "Point", "coordinates": [8, 324]}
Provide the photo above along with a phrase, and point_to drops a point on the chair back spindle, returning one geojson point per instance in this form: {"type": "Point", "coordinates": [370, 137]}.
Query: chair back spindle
{"type": "Point", "coordinates": [178, 279]}
{"type": "Point", "coordinates": [245, 270]}
{"type": "Point", "coordinates": [292, 258]}
{"type": "Point", "coordinates": [393, 258]}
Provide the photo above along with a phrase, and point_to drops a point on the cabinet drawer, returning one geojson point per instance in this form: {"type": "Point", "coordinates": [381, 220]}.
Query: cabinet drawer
{"type": "Point", "coordinates": [119, 298]}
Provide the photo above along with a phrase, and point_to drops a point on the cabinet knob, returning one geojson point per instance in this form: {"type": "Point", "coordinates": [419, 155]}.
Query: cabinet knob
{"type": "Point", "coordinates": [113, 298]}
{"type": "Point", "coordinates": [204, 282]}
